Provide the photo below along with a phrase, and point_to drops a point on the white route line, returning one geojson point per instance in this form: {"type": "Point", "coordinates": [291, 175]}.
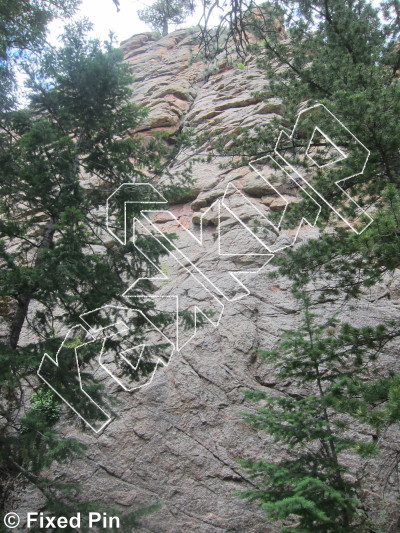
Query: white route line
{"type": "Point", "coordinates": [55, 362]}
{"type": "Point", "coordinates": [345, 156]}
{"type": "Point", "coordinates": [189, 266]}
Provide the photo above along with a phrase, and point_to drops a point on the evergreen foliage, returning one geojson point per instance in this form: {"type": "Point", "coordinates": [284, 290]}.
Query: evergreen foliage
{"type": "Point", "coordinates": [23, 25]}
{"type": "Point", "coordinates": [332, 388]}
{"type": "Point", "coordinates": [60, 158]}
{"type": "Point", "coordinates": [163, 12]}
{"type": "Point", "coordinates": [345, 55]}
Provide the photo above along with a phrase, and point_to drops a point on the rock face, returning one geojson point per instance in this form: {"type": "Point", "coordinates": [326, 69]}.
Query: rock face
{"type": "Point", "coordinates": [178, 439]}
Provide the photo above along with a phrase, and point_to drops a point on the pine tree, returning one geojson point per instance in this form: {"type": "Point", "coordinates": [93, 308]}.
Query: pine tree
{"type": "Point", "coordinates": [331, 391]}
{"type": "Point", "coordinates": [345, 55]}
{"type": "Point", "coordinates": [163, 12]}
{"type": "Point", "coordinates": [61, 157]}
{"type": "Point", "coordinates": [23, 25]}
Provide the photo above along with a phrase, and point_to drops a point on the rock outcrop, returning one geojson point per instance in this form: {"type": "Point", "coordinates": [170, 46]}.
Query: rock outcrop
{"type": "Point", "coordinates": [177, 440]}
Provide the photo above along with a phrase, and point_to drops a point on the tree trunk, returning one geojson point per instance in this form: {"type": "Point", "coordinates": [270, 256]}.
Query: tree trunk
{"type": "Point", "coordinates": [165, 28]}
{"type": "Point", "coordinates": [23, 303]}
{"type": "Point", "coordinates": [18, 321]}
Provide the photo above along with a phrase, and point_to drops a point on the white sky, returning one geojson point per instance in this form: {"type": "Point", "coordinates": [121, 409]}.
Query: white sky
{"type": "Point", "coordinates": [103, 14]}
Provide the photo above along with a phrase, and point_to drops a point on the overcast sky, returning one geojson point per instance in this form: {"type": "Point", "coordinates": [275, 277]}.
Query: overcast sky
{"type": "Point", "coordinates": [105, 17]}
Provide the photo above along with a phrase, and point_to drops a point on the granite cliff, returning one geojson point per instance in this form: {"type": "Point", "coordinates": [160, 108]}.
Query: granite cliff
{"type": "Point", "coordinates": [177, 440]}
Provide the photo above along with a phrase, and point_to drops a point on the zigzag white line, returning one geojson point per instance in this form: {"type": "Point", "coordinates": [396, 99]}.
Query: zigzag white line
{"type": "Point", "coordinates": [193, 270]}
